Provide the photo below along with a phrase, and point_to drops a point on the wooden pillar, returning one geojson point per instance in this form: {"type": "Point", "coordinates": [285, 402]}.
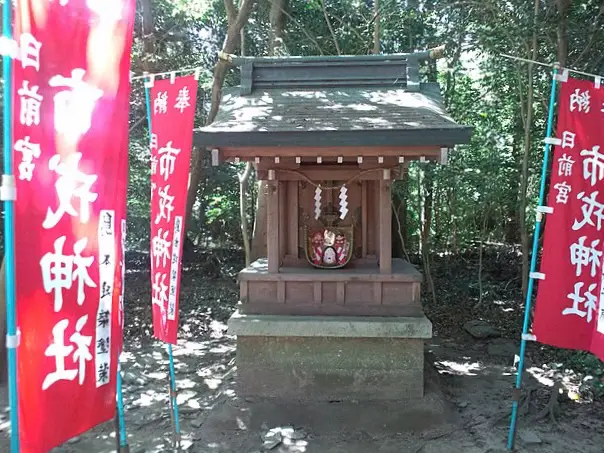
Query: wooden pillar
{"type": "Point", "coordinates": [292, 220]}
{"type": "Point", "coordinates": [283, 196]}
{"type": "Point", "coordinates": [272, 227]}
{"type": "Point", "coordinates": [385, 216]}
{"type": "Point", "coordinates": [364, 219]}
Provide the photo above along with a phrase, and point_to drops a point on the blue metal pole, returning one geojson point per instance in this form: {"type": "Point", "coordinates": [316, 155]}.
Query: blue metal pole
{"type": "Point", "coordinates": [529, 292]}
{"type": "Point", "coordinates": [173, 388]}
{"type": "Point", "coordinates": [172, 373]}
{"type": "Point", "coordinates": [120, 409]}
{"type": "Point", "coordinates": [148, 101]}
{"type": "Point", "coordinates": [8, 184]}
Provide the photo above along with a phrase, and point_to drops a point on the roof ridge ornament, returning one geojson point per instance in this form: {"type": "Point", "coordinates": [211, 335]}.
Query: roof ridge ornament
{"type": "Point", "coordinates": [413, 78]}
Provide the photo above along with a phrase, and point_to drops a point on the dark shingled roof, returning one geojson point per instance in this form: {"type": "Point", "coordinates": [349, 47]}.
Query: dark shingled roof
{"type": "Point", "coordinates": [270, 110]}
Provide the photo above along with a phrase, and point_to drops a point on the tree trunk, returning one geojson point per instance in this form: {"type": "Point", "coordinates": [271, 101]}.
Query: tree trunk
{"type": "Point", "coordinates": [404, 183]}
{"type": "Point", "coordinates": [512, 226]}
{"type": "Point", "coordinates": [331, 30]}
{"type": "Point", "coordinates": [236, 21]}
{"type": "Point", "coordinates": [245, 233]}
{"type": "Point", "coordinates": [562, 32]}
{"type": "Point", "coordinates": [398, 227]}
{"type": "Point", "coordinates": [244, 178]}
{"type": "Point", "coordinates": [483, 233]}
{"type": "Point", "coordinates": [258, 249]}
{"type": "Point", "coordinates": [454, 245]}
{"type": "Point", "coordinates": [148, 35]}
{"type": "Point", "coordinates": [376, 26]}
{"type": "Point", "coordinates": [259, 234]}
{"type": "Point", "coordinates": [436, 242]}
{"type": "Point", "coordinates": [428, 189]}
{"type": "Point", "coordinates": [277, 21]}
{"type": "Point", "coordinates": [525, 162]}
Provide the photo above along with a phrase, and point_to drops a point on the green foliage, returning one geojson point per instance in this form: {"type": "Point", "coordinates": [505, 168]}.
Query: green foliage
{"type": "Point", "coordinates": [592, 368]}
{"type": "Point", "coordinates": [219, 203]}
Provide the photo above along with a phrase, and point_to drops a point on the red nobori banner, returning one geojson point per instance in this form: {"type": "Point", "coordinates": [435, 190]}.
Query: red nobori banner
{"type": "Point", "coordinates": [569, 310]}
{"type": "Point", "coordinates": [172, 116]}
{"type": "Point", "coordinates": [70, 140]}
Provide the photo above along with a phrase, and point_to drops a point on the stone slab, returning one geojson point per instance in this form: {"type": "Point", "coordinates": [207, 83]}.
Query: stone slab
{"type": "Point", "coordinates": [318, 353]}
{"type": "Point", "coordinates": [418, 327]}
{"type": "Point", "coordinates": [330, 368]}
{"type": "Point", "coordinates": [375, 417]}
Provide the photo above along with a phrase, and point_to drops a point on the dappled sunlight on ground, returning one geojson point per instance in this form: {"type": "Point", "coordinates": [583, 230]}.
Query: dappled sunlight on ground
{"type": "Point", "coordinates": [467, 369]}
{"type": "Point", "coordinates": [4, 416]}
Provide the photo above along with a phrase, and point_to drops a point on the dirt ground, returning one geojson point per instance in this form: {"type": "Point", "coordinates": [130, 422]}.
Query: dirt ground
{"type": "Point", "coordinates": [474, 375]}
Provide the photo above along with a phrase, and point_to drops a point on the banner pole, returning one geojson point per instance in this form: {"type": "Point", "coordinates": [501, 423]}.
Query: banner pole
{"type": "Point", "coordinates": [123, 437]}
{"type": "Point", "coordinates": [9, 196]}
{"type": "Point", "coordinates": [529, 292]}
{"type": "Point", "coordinates": [173, 397]}
{"type": "Point", "coordinates": [172, 378]}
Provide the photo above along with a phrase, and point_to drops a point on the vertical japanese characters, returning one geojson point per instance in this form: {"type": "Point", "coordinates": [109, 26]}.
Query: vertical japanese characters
{"type": "Point", "coordinates": [570, 300]}
{"type": "Point", "coordinates": [70, 131]}
{"type": "Point", "coordinates": [172, 118]}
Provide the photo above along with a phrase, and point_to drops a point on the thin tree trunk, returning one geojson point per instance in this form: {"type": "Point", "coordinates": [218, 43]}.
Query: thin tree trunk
{"type": "Point", "coordinates": [244, 178]}
{"type": "Point", "coordinates": [483, 233]}
{"type": "Point", "coordinates": [201, 220]}
{"type": "Point", "coordinates": [399, 230]}
{"type": "Point", "coordinates": [452, 210]}
{"type": "Point", "coordinates": [148, 35]}
{"type": "Point", "coordinates": [562, 31]}
{"type": "Point", "coordinates": [436, 214]}
{"type": "Point", "coordinates": [525, 161]}
{"type": "Point", "coordinates": [428, 186]}
{"type": "Point", "coordinates": [449, 200]}
{"type": "Point", "coordinates": [259, 234]}
{"type": "Point", "coordinates": [236, 21]}
{"type": "Point", "coordinates": [403, 205]}
{"type": "Point", "coordinates": [243, 187]}
{"type": "Point", "coordinates": [450, 240]}
{"type": "Point", "coordinates": [376, 26]}
{"type": "Point", "coordinates": [242, 50]}
{"type": "Point", "coordinates": [512, 227]}
{"type": "Point", "coordinates": [277, 22]}
{"type": "Point", "coordinates": [331, 31]}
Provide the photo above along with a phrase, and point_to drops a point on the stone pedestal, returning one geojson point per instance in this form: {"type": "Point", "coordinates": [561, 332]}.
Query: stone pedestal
{"type": "Point", "coordinates": [327, 358]}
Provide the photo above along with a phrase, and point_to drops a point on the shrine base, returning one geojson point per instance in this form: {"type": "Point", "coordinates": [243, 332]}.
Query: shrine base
{"type": "Point", "coordinates": [330, 358]}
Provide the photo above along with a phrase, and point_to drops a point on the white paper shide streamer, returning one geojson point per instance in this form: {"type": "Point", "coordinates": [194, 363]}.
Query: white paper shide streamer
{"type": "Point", "coordinates": [317, 203]}
{"type": "Point", "coordinates": [343, 202]}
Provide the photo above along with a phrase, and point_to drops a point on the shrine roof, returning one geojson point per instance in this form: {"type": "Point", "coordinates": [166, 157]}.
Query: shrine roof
{"type": "Point", "coordinates": [332, 101]}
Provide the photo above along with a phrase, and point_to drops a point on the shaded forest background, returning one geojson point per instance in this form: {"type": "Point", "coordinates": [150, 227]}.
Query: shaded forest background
{"type": "Point", "coordinates": [486, 195]}
{"type": "Point", "coordinates": [473, 218]}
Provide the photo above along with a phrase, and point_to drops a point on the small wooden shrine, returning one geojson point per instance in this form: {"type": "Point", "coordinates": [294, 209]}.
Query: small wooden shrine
{"type": "Point", "coordinates": [329, 314]}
